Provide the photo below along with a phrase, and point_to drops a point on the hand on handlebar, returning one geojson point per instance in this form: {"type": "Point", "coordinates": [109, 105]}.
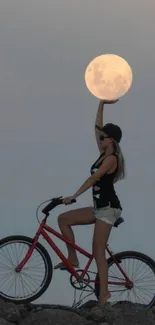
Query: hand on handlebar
{"type": "Point", "coordinates": [69, 200]}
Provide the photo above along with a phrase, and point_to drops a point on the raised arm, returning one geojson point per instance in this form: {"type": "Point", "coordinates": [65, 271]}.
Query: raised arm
{"type": "Point", "coordinates": [99, 122]}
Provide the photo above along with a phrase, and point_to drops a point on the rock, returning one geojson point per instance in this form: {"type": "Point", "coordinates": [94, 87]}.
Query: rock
{"type": "Point", "coordinates": [88, 314]}
{"type": "Point", "coordinates": [103, 314]}
{"type": "Point", "coordinates": [123, 314]}
{"type": "Point", "coordinates": [4, 322]}
{"type": "Point", "coordinates": [2, 302]}
{"type": "Point", "coordinates": [24, 311]}
{"type": "Point", "coordinates": [136, 316]}
{"type": "Point", "coordinates": [55, 317]}
{"type": "Point", "coordinates": [10, 312]}
{"type": "Point", "coordinates": [88, 304]}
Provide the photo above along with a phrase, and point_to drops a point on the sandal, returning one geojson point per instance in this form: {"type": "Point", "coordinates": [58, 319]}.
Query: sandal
{"type": "Point", "coordinates": [62, 266]}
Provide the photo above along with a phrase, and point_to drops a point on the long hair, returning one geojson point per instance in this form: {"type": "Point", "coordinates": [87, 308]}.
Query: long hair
{"type": "Point", "coordinates": [120, 172]}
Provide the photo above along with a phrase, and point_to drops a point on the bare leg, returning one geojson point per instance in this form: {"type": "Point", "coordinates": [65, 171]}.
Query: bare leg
{"type": "Point", "coordinates": [101, 235]}
{"type": "Point", "coordinates": [82, 216]}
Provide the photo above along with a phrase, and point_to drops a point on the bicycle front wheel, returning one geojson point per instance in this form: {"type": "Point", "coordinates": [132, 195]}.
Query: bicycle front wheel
{"type": "Point", "coordinates": [32, 281]}
{"type": "Point", "coordinates": [140, 269]}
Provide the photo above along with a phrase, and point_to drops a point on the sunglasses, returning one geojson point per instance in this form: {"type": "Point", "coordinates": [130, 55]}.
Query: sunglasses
{"type": "Point", "coordinates": [102, 137]}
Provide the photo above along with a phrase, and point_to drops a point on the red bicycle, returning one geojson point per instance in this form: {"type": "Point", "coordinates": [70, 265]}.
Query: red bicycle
{"type": "Point", "coordinates": [26, 268]}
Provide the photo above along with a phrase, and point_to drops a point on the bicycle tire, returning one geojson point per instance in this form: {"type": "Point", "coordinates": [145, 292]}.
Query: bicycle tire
{"type": "Point", "coordinates": [47, 262]}
{"type": "Point", "coordinates": [128, 255]}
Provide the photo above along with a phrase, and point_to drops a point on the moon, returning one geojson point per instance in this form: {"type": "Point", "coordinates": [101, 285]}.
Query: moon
{"type": "Point", "coordinates": [108, 77]}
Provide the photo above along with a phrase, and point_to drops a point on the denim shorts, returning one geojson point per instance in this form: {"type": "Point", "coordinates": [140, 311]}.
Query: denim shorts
{"type": "Point", "coordinates": [108, 214]}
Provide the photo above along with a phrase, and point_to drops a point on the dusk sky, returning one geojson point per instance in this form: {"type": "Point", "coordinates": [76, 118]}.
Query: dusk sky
{"type": "Point", "coordinates": [47, 116]}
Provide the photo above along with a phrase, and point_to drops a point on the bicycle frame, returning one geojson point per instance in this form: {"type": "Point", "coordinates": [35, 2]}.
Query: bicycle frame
{"type": "Point", "coordinates": [43, 229]}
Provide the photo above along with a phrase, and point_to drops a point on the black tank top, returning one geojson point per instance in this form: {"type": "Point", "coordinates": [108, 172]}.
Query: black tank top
{"type": "Point", "coordinates": [103, 190]}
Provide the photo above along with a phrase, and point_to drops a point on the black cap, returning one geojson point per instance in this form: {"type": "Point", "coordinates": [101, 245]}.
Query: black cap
{"type": "Point", "coordinates": [113, 131]}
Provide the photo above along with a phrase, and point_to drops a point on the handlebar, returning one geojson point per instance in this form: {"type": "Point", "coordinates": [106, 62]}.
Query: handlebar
{"type": "Point", "coordinates": [54, 202]}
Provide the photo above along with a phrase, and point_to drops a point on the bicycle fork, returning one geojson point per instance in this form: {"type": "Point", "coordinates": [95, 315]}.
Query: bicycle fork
{"type": "Point", "coordinates": [28, 254]}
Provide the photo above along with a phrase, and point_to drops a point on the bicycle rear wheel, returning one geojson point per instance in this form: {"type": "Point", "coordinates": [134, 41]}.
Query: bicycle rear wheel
{"type": "Point", "coordinates": [140, 269]}
{"type": "Point", "coordinates": [32, 281]}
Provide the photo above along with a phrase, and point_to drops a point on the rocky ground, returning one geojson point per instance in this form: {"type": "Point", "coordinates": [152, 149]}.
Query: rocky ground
{"type": "Point", "coordinates": [87, 314]}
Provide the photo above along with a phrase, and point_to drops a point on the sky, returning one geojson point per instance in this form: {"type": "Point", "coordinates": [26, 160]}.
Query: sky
{"type": "Point", "coordinates": [47, 117]}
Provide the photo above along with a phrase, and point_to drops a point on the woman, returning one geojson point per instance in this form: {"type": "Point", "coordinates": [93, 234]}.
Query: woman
{"type": "Point", "coordinates": [108, 169]}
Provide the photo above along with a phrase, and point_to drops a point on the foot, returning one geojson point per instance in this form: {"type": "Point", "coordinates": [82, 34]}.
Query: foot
{"type": "Point", "coordinates": [62, 266]}
{"type": "Point", "coordinates": [102, 304]}
{"type": "Point", "coordinates": [104, 299]}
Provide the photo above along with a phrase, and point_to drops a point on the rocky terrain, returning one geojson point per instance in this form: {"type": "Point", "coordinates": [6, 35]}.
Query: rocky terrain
{"type": "Point", "coordinates": [87, 314]}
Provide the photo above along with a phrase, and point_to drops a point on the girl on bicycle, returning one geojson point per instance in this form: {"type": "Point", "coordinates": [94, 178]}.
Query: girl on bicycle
{"type": "Point", "coordinates": [107, 170]}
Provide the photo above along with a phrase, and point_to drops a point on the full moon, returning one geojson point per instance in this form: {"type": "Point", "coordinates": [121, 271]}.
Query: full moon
{"type": "Point", "coordinates": [108, 77]}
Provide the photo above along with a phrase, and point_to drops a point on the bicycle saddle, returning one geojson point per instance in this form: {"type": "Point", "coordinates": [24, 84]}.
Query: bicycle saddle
{"type": "Point", "coordinates": [118, 222]}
